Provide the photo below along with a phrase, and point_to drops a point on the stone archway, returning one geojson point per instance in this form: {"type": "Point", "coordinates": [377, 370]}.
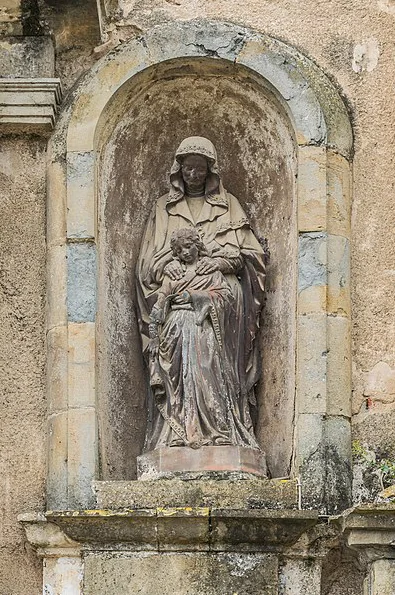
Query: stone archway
{"type": "Point", "coordinates": [139, 129]}
{"type": "Point", "coordinates": [322, 135]}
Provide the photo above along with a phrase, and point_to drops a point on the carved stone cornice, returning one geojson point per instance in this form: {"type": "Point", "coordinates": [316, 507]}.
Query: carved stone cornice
{"type": "Point", "coordinates": [185, 528]}
{"type": "Point", "coordinates": [47, 538]}
{"type": "Point", "coordinates": [317, 540]}
{"type": "Point", "coordinates": [29, 105]}
{"type": "Point", "coordinates": [369, 530]}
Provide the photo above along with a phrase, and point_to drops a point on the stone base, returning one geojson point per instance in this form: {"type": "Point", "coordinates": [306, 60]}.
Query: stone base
{"type": "Point", "coordinates": [252, 493]}
{"type": "Point", "coordinates": [221, 462]}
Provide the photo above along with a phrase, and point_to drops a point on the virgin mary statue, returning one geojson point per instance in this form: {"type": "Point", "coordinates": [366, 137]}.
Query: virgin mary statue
{"type": "Point", "coordinates": [199, 308]}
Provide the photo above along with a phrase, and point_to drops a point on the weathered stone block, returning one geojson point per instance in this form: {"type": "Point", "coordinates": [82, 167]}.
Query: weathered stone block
{"type": "Point", "coordinates": [339, 275]}
{"type": "Point", "coordinates": [56, 307]}
{"type": "Point", "coordinates": [27, 56]}
{"type": "Point", "coordinates": [313, 300]}
{"type": "Point", "coordinates": [310, 431]}
{"type": "Point", "coordinates": [312, 260]}
{"type": "Point", "coordinates": [339, 366]}
{"type": "Point", "coordinates": [337, 456]}
{"type": "Point", "coordinates": [81, 364]}
{"type": "Point", "coordinates": [292, 86]}
{"type": "Point", "coordinates": [248, 493]}
{"type": "Point", "coordinates": [312, 200]}
{"type": "Point", "coordinates": [258, 530]}
{"type": "Point", "coordinates": [325, 462]}
{"type": "Point", "coordinates": [57, 204]}
{"type": "Point", "coordinates": [339, 194]}
{"type": "Point", "coordinates": [311, 459]}
{"type": "Point", "coordinates": [80, 195]}
{"type": "Point", "coordinates": [63, 575]}
{"type": "Point", "coordinates": [81, 282]}
{"type": "Point", "coordinates": [57, 346]}
{"type": "Point", "coordinates": [381, 579]}
{"type": "Point", "coordinates": [300, 576]}
{"type": "Point", "coordinates": [57, 461]}
{"type": "Point", "coordinates": [134, 529]}
{"type": "Point", "coordinates": [183, 529]}
{"type": "Point", "coordinates": [312, 363]}
{"type": "Point", "coordinates": [82, 456]}
{"type": "Point", "coordinates": [189, 574]}
{"type": "Point", "coordinates": [97, 92]}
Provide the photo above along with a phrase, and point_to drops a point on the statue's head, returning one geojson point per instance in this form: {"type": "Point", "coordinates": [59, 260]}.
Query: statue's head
{"type": "Point", "coordinates": [195, 165]}
{"type": "Point", "coordinates": [186, 245]}
{"type": "Point", "coordinates": [194, 170]}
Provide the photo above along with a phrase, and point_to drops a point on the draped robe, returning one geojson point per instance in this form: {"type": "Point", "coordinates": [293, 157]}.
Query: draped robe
{"type": "Point", "coordinates": [225, 231]}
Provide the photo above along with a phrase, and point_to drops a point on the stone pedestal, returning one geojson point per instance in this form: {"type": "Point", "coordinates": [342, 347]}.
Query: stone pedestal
{"type": "Point", "coordinates": [258, 492]}
{"type": "Point", "coordinates": [172, 536]}
{"type": "Point", "coordinates": [187, 462]}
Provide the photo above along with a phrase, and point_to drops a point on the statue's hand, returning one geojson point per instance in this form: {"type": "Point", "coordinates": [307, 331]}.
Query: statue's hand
{"type": "Point", "coordinates": [156, 316]}
{"type": "Point", "coordinates": [207, 265]}
{"type": "Point", "coordinates": [154, 346]}
{"type": "Point", "coordinates": [174, 270]}
{"type": "Point", "coordinates": [182, 298]}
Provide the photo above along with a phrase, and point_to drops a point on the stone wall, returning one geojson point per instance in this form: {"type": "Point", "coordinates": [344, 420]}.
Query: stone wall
{"type": "Point", "coordinates": [22, 356]}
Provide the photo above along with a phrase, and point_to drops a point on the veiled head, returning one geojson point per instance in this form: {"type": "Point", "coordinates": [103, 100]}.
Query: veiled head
{"type": "Point", "coordinates": [198, 155]}
{"type": "Point", "coordinates": [194, 170]}
{"type": "Point", "coordinates": [197, 145]}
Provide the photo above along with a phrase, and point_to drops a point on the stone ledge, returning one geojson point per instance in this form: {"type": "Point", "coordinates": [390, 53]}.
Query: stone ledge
{"type": "Point", "coordinates": [369, 529]}
{"type": "Point", "coordinates": [185, 529]}
{"type": "Point", "coordinates": [242, 494]}
{"type": "Point", "coordinates": [29, 105]}
{"type": "Point", "coordinates": [47, 538]}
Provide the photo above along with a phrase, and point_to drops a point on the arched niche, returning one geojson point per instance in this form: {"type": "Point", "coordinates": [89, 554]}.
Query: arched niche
{"type": "Point", "coordinates": [278, 118]}
{"type": "Point", "coordinates": [136, 139]}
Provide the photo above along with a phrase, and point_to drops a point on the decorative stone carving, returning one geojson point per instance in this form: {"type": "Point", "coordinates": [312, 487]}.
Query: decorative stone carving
{"type": "Point", "coordinates": [29, 104]}
{"type": "Point", "coordinates": [62, 562]}
{"type": "Point", "coordinates": [201, 281]}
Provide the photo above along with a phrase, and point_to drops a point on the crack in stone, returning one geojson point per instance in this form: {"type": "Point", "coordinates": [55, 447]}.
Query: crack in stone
{"type": "Point", "coordinates": [235, 45]}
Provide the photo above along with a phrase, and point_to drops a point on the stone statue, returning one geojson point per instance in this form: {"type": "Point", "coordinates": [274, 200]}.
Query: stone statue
{"type": "Point", "coordinates": [200, 285]}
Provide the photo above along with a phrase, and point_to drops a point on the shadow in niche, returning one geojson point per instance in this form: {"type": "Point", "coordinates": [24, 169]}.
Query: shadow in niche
{"type": "Point", "coordinates": [137, 137]}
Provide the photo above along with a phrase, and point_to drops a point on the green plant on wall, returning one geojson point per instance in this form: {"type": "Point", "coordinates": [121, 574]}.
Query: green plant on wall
{"type": "Point", "coordinates": [383, 467]}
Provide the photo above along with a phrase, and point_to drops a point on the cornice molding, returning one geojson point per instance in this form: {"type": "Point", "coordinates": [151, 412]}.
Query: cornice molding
{"type": "Point", "coordinates": [29, 105]}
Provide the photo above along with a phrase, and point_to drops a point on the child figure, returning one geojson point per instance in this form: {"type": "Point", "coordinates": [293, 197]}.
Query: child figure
{"type": "Point", "coordinates": [192, 380]}
{"type": "Point", "coordinates": [187, 248]}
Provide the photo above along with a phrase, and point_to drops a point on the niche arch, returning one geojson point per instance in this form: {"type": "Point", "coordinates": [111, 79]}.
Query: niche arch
{"type": "Point", "coordinates": [303, 109]}
{"type": "Point", "coordinates": [136, 138]}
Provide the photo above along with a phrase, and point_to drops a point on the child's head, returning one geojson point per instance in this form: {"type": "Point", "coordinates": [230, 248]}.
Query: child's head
{"type": "Point", "coordinates": [186, 245]}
